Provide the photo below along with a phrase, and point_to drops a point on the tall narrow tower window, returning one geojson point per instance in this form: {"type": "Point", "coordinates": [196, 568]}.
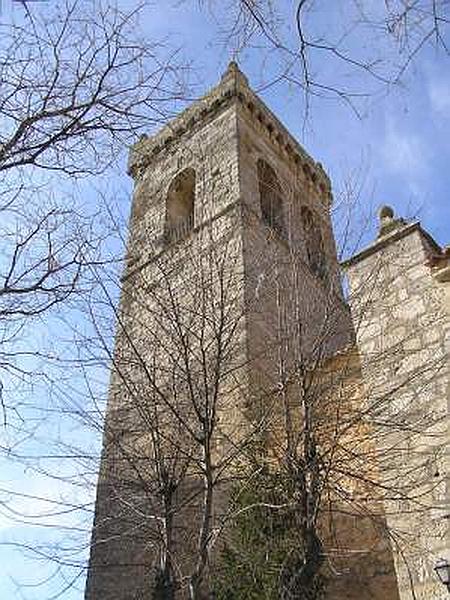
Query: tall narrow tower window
{"type": "Point", "coordinates": [315, 254]}
{"type": "Point", "coordinates": [180, 206]}
{"type": "Point", "coordinates": [270, 197]}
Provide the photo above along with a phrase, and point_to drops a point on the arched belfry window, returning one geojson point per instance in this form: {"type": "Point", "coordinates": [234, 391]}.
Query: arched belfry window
{"type": "Point", "coordinates": [270, 197]}
{"type": "Point", "coordinates": [314, 243]}
{"type": "Point", "coordinates": [180, 205]}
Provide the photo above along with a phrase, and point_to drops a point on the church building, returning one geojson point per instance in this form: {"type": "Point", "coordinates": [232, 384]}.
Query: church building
{"type": "Point", "coordinates": [268, 434]}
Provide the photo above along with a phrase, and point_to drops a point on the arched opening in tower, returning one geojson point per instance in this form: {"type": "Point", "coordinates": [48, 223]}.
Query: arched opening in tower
{"type": "Point", "coordinates": [180, 204]}
{"type": "Point", "coordinates": [271, 198]}
{"type": "Point", "coordinates": [315, 254]}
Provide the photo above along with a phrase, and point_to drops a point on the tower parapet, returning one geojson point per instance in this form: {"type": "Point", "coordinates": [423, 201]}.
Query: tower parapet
{"type": "Point", "coordinates": [233, 88]}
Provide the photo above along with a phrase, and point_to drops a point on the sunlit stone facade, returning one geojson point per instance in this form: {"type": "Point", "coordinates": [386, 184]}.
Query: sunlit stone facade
{"type": "Point", "coordinates": [225, 174]}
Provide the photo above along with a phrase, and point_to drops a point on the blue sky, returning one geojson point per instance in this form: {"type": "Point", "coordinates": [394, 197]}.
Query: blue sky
{"type": "Point", "coordinates": [398, 149]}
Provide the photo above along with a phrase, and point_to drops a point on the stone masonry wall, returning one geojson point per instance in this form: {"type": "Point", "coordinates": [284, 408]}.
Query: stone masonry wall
{"type": "Point", "coordinates": [124, 544]}
{"type": "Point", "coordinates": [401, 314]}
{"type": "Point", "coordinates": [281, 289]}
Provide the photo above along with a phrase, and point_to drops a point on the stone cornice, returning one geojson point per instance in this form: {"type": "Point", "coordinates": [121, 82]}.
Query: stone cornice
{"type": "Point", "coordinates": [386, 240]}
{"type": "Point", "coordinates": [233, 89]}
{"type": "Point", "coordinates": [380, 243]}
{"type": "Point", "coordinates": [134, 267]}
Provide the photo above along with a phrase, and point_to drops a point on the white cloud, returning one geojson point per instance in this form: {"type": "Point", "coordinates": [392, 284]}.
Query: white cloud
{"type": "Point", "coordinates": [404, 151]}
{"type": "Point", "coordinates": [439, 93]}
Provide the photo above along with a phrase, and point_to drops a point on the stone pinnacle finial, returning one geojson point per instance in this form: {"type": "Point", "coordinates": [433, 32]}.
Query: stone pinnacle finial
{"type": "Point", "coordinates": [388, 222]}
{"type": "Point", "coordinates": [233, 72]}
{"type": "Point", "coordinates": [232, 66]}
{"type": "Point", "coordinates": [386, 212]}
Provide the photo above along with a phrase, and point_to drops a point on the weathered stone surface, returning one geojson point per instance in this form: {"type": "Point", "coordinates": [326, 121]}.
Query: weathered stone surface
{"type": "Point", "coordinates": [404, 344]}
{"type": "Point", "coordinates": [400, 309]}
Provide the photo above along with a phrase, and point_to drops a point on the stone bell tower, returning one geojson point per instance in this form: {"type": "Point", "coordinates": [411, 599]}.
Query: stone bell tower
{"type": "Point", "coordinates": [227, 205]}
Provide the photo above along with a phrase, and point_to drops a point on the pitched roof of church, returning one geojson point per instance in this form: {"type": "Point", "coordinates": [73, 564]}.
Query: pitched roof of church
{"type": "Point", "coordinates": [391, 229]}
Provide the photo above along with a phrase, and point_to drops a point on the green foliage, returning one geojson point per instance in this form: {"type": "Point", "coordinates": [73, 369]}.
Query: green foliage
{"type": "Point", "coordinates": [263, 552]}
